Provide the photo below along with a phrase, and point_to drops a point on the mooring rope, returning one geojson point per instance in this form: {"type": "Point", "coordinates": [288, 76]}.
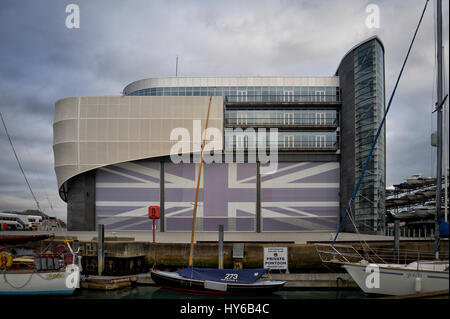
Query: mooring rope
{"type": "Point", "coordinates": [18, 287]}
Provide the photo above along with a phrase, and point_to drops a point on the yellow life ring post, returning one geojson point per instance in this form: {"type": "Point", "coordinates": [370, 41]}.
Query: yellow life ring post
{"type": "Point", "coordinates": [6, 259]}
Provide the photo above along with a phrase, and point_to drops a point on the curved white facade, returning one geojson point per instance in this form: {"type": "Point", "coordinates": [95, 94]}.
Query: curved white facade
{"type": "Point", "coordinates": [92, 132]}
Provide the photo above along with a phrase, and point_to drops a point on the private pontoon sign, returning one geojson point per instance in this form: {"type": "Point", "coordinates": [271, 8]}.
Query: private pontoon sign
{"type": "Point", "coordinates": [275, 257]}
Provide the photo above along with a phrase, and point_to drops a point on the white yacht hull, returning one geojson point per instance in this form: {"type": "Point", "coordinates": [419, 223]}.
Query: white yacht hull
{"type": "Point", "coordinates": [32, 282]}
{"type": "Point", "coordinates": [397, 280]}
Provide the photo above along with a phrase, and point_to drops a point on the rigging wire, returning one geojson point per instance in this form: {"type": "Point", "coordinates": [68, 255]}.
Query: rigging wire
{"type": "Point", "coordinates": [42, 185]}
{"type": "Point", "coordinates": [18, 162]}
{"type": "Point", "coordinates": [355, 191]}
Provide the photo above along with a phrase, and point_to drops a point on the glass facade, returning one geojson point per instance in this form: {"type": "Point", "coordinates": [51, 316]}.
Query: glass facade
{"type": "Point", "coordinates": [325, 121]}
{"type": "Point", "coordinates": [369, 111]}
{"type": "Point", "coordinates": [295, 140]}
{"type": "Point", "coordinates": [282, 118]}
{"type": "Point", "coordinates": [280, 94]}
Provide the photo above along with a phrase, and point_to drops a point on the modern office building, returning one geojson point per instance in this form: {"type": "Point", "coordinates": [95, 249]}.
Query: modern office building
{"type": "Point", "coordinates": [113, 154]}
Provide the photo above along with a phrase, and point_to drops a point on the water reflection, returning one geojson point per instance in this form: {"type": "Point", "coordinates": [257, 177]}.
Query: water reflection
{"type": "Point", "coordinates": [152, 292]}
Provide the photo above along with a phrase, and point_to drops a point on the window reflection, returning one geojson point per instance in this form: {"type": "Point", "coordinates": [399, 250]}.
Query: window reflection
{"type": "Point", "coordinates": [280, 118]}
{"type": "Point", "coordinates": [287, 94]}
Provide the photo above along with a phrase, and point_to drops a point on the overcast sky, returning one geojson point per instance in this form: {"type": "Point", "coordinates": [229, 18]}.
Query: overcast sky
{"type": "Point", "coordinates": [42, 61]}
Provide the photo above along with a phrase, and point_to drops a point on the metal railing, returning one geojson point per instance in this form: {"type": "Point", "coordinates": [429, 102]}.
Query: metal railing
{"type": "Point", "coordinates": [286, 98]}
{"type": "Point", "coordinates": [280, 122]}
{"type": "Point", "coordinates": [340, 254]}
{"type": "Point", "coordinates": [287, 145]}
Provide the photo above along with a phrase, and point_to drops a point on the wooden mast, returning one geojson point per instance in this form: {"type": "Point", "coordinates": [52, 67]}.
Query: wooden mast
{"type": "Point", "coordinates": [191, 252]}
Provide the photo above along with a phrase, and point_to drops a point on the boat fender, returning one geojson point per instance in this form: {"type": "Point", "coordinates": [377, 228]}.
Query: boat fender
{"type": "Point", "coordinates": [6, 259]}
{"type": "Point", "coordinates": [43, 263]}
{"type": "Point", "coordinates": [418, 284]}
{"type": "Point", "coordinates": [37, 263]}
{"type": "Point", "coordinates": [50, 265]}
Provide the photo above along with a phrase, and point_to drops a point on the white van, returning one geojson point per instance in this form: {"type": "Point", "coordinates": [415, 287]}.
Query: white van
{"type": "Point", "coordinates": [11, 222]}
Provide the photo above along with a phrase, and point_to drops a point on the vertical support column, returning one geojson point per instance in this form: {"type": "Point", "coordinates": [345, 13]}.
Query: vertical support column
{"type": "Point", "coordinates": [162, 225]}
{"type": "Point", "coordinates": [258, 197]}
{"type": "Point", "coordinates": [439, 96]}
{"type": "Point", "coordinates": [397, 241]}
{"type": "Point", "coordinates": [100, 249]}
{"type": "Point", "coordinates": [220, 246]}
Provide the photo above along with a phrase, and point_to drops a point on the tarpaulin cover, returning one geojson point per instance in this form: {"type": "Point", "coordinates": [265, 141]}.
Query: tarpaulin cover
{"type": "Point", "coordinates": [443, 228]}
{"type": "Point", "coordinates": [240, 276]}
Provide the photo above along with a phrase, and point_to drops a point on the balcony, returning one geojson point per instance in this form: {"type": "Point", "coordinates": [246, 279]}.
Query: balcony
{"type": "Point", "coordinates": [288, 146]}
{"type": "Point", "coordinates": [286, 99]}
{"type": "Point", "coordinates": [281, 123]}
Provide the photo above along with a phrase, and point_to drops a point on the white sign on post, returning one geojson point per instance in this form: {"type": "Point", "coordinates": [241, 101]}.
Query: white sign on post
{"type": "Point", "coordinates": [276, 258]}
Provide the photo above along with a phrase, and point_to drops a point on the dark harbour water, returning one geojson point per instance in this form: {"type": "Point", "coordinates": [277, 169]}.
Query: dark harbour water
{"type": "Point", "coordinates": [153, 292]}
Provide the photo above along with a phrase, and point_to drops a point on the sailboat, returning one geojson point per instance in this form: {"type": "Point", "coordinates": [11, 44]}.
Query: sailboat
{"type": "Point", "coordinates": [25, 271]}
{"type": "Point", "coordinates": [370, 268]}
{"type": "Point", "coordinates": [211, 280]}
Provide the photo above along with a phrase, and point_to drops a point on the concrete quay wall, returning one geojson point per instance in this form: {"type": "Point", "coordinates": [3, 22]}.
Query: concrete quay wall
{"type": "Point", "coordinates": [125, 257]}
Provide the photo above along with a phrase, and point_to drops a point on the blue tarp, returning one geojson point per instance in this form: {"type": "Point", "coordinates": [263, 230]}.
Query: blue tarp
{"type": "Point", "coordinates": [241, 276]}
{"type": "Point", "coordinates": [443, 228]}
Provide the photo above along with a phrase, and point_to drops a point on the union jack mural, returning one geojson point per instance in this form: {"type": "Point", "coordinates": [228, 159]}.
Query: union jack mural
{"type": "Point", "coordinates": [227, 196]}
{"type": "Point", "coordinates": [300, 197]}
{"type": "Point", "coordinates": [296, 197]}
{"type": "Point", "coordinates": [123, 193]}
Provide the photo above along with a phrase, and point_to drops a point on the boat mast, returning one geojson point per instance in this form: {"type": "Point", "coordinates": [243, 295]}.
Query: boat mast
{"type": "Point", "coordinates": [439, 127]}
{"type": "Point", "coordinates": [191, 252]}
{"type": "Point", "coordinates": [445, 147]}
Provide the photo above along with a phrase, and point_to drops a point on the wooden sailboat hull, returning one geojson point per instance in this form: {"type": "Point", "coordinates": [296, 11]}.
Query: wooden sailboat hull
{"type": "Point", "coordinates": [171, 280]}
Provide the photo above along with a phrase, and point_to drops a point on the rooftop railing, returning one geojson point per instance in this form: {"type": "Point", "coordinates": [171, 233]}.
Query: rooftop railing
{"type": "Point", "coordinates": [287, 98]}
